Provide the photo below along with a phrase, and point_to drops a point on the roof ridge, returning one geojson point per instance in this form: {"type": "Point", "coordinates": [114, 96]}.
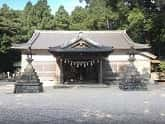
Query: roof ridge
{"type": "Point", "coordinates": [83, 31]}
{"type": "Point", "coordinates": [33, 38]}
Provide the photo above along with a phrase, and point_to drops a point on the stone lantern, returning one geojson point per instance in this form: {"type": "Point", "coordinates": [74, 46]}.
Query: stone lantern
{"type": "Point", "coordinates": [132, 80]}
{"type": "Point", "coordinates": [28, 82]}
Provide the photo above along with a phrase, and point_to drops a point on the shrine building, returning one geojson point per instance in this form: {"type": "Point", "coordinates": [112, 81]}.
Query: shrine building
{"type": "Point", "coordinates": [71, 57]}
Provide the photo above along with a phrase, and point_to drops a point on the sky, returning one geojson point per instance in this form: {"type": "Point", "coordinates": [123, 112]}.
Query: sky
{"type": "Point", "coordinates": [54, 4]}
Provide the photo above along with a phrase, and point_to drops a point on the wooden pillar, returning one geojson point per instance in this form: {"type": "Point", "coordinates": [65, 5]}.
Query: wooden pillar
{"type": "Point", "coordinates": [101, 71]}
{"type": "Point", "coordinates": [61, 81]}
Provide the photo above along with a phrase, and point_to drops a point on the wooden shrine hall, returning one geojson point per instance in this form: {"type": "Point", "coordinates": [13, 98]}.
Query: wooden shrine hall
{"type": "Point", "coordinates": [81, 61]}
{"type": "Point", "coordinates": [71, 57]}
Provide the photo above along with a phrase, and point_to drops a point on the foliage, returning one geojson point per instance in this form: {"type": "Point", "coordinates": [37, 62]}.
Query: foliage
{"type": "Point", "coordinates": [162, 66]}
{"type": "Point", "coordinates": [136, 24]}
{"type": "Point", "coordinates": [35, 17]}
{"type": "Point", "coordinates": [9, 28]}
{"type": "Point", "coordinates": [78, 19]}
{"type": "Point", "coordinates": [62, 19]}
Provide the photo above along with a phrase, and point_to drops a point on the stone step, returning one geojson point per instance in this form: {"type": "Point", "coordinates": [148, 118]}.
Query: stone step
{"type": "Point", "coordinates": [81, 86]}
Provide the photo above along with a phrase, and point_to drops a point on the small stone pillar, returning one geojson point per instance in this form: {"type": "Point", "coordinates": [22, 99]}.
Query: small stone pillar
{"type": "Point", "coordinates": [28, 82]}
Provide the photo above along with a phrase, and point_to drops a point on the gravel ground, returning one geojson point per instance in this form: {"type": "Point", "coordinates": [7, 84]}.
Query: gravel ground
{"type": "Point", "coordinates": [83, 106]}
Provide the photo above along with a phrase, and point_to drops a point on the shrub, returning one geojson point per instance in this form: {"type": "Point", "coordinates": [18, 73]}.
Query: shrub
{"type": "Point", "coordinates": [162, 66]}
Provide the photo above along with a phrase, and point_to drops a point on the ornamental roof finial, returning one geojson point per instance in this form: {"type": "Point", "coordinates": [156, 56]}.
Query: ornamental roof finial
{"type": "Point", "coordinates": [79, 34]}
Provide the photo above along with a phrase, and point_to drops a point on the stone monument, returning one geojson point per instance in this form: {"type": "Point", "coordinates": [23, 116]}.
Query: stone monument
{"type": "Point", "coordinates": [28, 82]}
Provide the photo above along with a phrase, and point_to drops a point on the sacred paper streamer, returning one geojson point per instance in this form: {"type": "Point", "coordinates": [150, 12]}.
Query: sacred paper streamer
{"type": "Point", "coordinates": [65, 61]}
{"type": "Point", "coordinates": [98, 61]}
{"type": "Point", "coordinates": [60, 60]}
{"type": "Point", "coordinates": [77, 65]}
{"type": "Point", "coordinates": [87, 63]}
{"type": "Point", "coordinates": [84, 65]}
{"type": "Point", "coordinates": [91, 63]}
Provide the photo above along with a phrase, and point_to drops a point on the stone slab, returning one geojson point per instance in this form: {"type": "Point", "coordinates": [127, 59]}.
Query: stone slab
{"type": "Point", "coordinates": [28, 88]}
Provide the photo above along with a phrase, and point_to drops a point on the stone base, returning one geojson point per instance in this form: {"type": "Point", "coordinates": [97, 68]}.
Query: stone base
{"type": "Point", "coordinates": [130, 86]}
{"type": "Point", "coordinates": [28, 87]}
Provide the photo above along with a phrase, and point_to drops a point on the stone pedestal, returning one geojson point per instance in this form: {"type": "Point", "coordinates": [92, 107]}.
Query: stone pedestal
{"type": "Point", "coordinates": [28, 82]}
{"type": "Point", "coordinates": [132, 80]}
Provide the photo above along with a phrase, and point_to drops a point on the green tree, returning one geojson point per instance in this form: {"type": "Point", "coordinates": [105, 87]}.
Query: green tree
{"type": "Point", "coordinates": [78, 19]}
{"type": "Point", "coordinates": [62, 19]}
{"type": "Point", "coordinates": [10, 32]}
{"type": "Point", "coordinates": [158, 30]}
{"type": "Point", "coordinates": [36, 16]}
{"type": "Point", "coordinates": [42, 15]}
{"type": "Point", "coordinates": [9, 27]}
{"type": "Point", "coordinates": [136, 25]}
{"type": "Point", "coordinates": [97, 16]}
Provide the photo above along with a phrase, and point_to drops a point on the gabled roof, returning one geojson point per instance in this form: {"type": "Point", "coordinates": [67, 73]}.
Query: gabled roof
{"type": "Point", "coordinates": [43, 39]}
{"type": "Point", "coordinates": [80, 38]}
{"type": "Point", "coordinates": [82, 45]}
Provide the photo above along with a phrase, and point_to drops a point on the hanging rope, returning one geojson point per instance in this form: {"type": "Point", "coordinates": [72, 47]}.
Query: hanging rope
{"type": "Point", "coordinates": [80, 63]}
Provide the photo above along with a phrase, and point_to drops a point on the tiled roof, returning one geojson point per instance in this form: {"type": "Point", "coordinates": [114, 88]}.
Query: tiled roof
{"type": "Point", "coordinates": [43, 39]}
